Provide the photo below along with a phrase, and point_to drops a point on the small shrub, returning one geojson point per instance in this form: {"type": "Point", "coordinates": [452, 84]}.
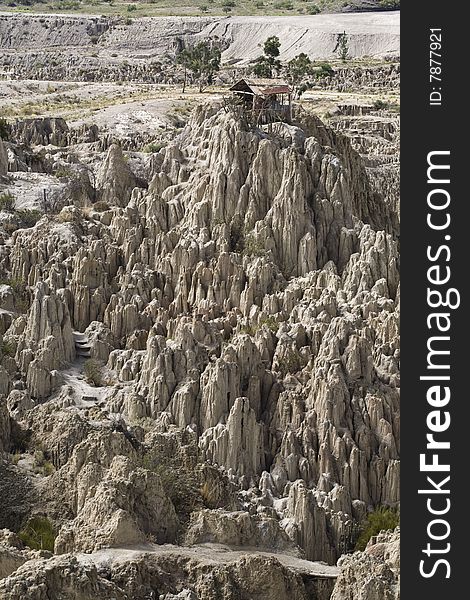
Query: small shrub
{"type": "Point", "coordinates": [131, 7]}
{"type": "Point", "coordinates": [380, 104]}
{"type": "Point", "coordinates": [269, 322]}
{"type": "Point", "coordinates": [153, 147]}
{"type": "Point", "coordinates": [63, 173]}
{"type": "Point", "coordinates": [20, 291]}
{"type": "Point", "coordinates": [291, 362]}
{"type": "Point", "coordinates": [253, 246]}
{"type": "Point", "coordinates": [42, 464]}
{"type": "Point", "coordinates": [204, 8]}
{"type": "Point", "coordinates": [323, 69]}
{"type": "Point", "coordinates": [180, 481]}
{"type": "Point", "coordinates": [4, 129]}
{"type": "Point", "coordinates": [313, 9]}
{"type": "Point", "coordinates": [15, 457]}
{"type": "Point", "coordinates": [237, 234]}
{"type": "Point", "coordinates": [284, 5]}
{"type": "Point", "coordinates": [38, 534]}
{"type": "Point", "coordinates": [101, 206]}
{"type": "Point", "coordinates": [92, 372]}
{"type": "Point", "coordinates": [390, 4]}
{"type": "Point", "coordinates": [7, 348]}
{"type": "Point", "coordinates": [28, 217]}
{"type": "Point", "coordinates": [7, 202]}
{"type": "Point", "coordinates": [383, 518]}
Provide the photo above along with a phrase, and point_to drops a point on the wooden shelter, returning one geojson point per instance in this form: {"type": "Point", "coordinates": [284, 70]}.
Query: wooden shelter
{"type": "Point", "coordinates": [270, 99]}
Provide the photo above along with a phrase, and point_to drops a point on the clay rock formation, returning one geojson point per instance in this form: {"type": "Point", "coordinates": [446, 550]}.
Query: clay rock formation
{"type": "Point", "coordinates": [63, 575]}
{"type": "Point", "coordinates": [128, 507]}
{"type": "Point", "coordinates": [115, 179]}
{"type": "Point", "coordinates": [238, 529]}
{"type": "Point", "coordinates": [185, 574]}
{"type": "Point", "coordinates": [243, 330]}
{"type": "Point", "coordinates": [46, 343]}
{"type": "Point", "coordinates": [372, 574]}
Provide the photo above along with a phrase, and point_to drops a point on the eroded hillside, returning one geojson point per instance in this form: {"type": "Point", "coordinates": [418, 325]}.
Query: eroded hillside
{"type": "Point", "coordinates": [199, 348]}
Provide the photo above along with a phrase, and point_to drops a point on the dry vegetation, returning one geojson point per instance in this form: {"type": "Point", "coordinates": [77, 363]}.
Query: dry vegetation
{"type": "Point", "coordinates": [197, 7]}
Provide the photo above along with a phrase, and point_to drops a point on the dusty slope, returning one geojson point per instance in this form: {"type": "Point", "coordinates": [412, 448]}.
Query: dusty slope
{"type": "Point", "coordinates": [370, 34]}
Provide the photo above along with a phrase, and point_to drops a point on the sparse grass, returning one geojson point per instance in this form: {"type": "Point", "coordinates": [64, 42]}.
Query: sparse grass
{"type": "Point", "coordinates": [7, 348]}
{"type": "Point", "coordinates": [253, 246]}
{"type": "Point", "coordinates": [153, 147]}
{"type": "Point", "coordinates": [64, 173]}
{"type": "Point", "coordinates": [251, 329]}
{"type": "Point", "coordinates": [383, 518]}
{"type": "Point", "coordinates": [28, 217]}
{"type": "Point", "coordinates": [38, 534]}
{"type": "Point", "coordinates": [101, 206]}
{"type": "Point", "coordinates": [42, 465]}
{"type": "Point", "coordinates": [4, 129]}
{"type": "Point", "coordinates": [15, 457]}
{"type": "Point", "coordinates": [7, 202]}
{"type": "Point", "coordinates": [180, 481]}
{"type": "Point", "coordinates": [291, 362]}
{"type": "Point", "coordinates": [187, 8]}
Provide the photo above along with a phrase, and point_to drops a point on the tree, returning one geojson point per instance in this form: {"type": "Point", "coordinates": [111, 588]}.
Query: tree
{"type": "Point", "coordinates": [269, 62]}
{"type": "Point", "coordinates": [342, 46]}
{"type": "Point", "coordinates": [203, 60]}
{"type": "Point", "coordinates": [297, 69]}
{"type": "Point", "coordinates": [272, 47]}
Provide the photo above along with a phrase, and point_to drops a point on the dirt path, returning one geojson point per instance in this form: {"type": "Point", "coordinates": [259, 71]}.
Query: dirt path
{"type": "Point", "coordinates": [208, 554]}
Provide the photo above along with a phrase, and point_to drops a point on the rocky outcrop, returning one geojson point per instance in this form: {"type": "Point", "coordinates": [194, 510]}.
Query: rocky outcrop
{"type": "Point", "coordinates": [40, 132]}
{"type": "Point", "coordinates": [181, 573]}
{"type": "Point", "coordinates": [46, 343]}
{"type": "Point", "coordinates": [128, 507]}
{"type": "Point", "coordinates": [372, 574]}
{"type": "Point", "coordinates": [115, 179]}
{"type": "Point", "coordinates": [238, 529]}
{"type": "Point", "coordinates": [40, 579]}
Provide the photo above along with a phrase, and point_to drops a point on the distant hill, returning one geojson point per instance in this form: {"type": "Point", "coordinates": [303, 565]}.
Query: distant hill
{"type": "Point", "coordinates": [139, 8]}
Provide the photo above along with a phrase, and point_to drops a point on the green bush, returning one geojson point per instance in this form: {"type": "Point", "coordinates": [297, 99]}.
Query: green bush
{"type": "Point", "coordinates": [153, 147]}
{"type": "Point", "coordinates": [323, 69]}
{"type": "Point", "coordinates": [284, 5]}
{"type": "Point", "coordinates": [253, 246]}
{"type": "Point", "coordinates": [313, 9]}
{"type": "Point", "coordinates": [101, 206]}
{"type": "Point", "coordinates": [180, 481]}
{"type": "Point", "coordinates": [7, 202]}
{"type": "Point", "coordinates": [7, 348]}
{"type": "Point", "coordinates": [4, 129]}
{"type": "Point", "coordinates": [38, 534]}
{"type": "Point", "coordinates": [383, 518]}
{"type": "Point", "coordinates": [29, 217]}
{"type": "Point", "coordinates": [380, 104]}
{"type": "Point", "coordinates": [390, 4]}
{"type": "Point", "coordinates": [20, 292]}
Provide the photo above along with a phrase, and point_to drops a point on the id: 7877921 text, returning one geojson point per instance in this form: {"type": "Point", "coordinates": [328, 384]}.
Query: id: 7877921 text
{"type": "Point", "coordinates": [435, 66]}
